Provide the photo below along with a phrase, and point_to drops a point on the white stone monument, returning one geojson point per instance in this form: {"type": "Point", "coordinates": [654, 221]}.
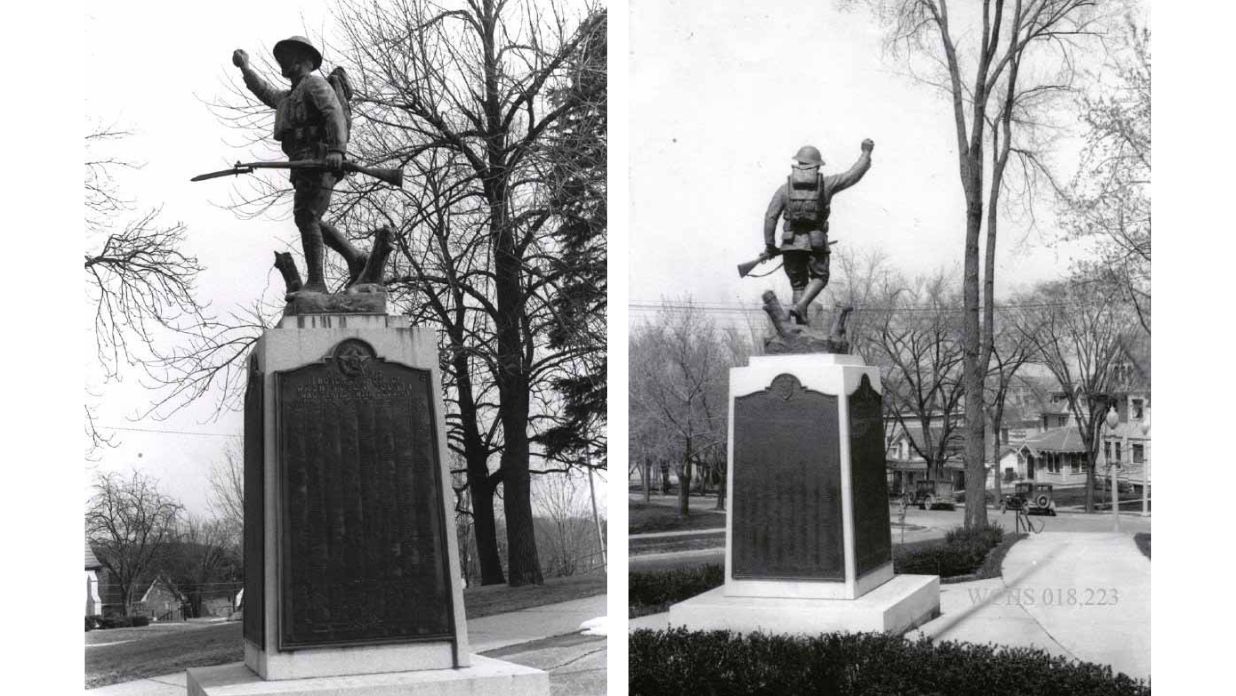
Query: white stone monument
{"type": "Point", "coordinates": [352, 582]}
{"type": "Point", "coordinates": [808, 547]}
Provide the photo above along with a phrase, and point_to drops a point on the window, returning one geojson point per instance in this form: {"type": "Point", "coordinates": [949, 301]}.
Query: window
{"type": "Point", "coordinates": [1139, 454]}
{"type": "Point", "coordinates": [1117, 451]}
{"type": "Point", "coordinates": [1137, 409]}
{"type": "Point", "coordinates": [1074, 464]}
{"type": "Point", "coordinates": [1107, 451]}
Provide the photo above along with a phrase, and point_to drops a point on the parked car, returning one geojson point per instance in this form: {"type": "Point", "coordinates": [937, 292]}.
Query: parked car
{"type": "Point", "coordinates": [1034, 498]}
{"type": "Point", "coordinates": [932, 495]}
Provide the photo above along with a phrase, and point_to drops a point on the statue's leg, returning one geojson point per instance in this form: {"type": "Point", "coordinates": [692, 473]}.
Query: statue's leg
{"type": "Point", "coordinates": [355, 258]}
{"type": "Point", "coordinates": [312, 197]}
{"type": "Point", "coordinates": [795, 265]}
{"type": "Point", "coordinates": [818, 268]}
{"type": "Point", "coordinates": [376, 261]}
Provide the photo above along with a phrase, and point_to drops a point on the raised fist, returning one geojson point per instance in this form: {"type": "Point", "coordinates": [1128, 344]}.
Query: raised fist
{"type": "Point", "coordinates": [240, 59]}
{"type": "Point", "coordinates": [868, 144]}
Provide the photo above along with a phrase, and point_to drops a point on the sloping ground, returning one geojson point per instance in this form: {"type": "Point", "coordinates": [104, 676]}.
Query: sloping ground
{"type": "Point", "coordinates": [120, 655]}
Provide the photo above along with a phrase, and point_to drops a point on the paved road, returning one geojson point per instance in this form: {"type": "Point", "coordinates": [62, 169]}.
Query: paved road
{"type": "Point", "coordinates": [920, 525]}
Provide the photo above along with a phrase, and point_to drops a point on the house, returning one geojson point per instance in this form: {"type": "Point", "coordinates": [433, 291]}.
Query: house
{"type": "Point", "coordinates": [161, 601]}
{"type": "Point", "coordinates": [1057, 455]}
{"type": "Point", "coordinates": [94, 569]}
{"type": "Point", "coordinates": [905, 466]}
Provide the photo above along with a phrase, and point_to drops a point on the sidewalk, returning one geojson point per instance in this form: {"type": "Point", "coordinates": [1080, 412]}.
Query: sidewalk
{"type": "Point", "coordinates": [1082, 595]}
{"type": "Point", "coordinates": [576, 663]}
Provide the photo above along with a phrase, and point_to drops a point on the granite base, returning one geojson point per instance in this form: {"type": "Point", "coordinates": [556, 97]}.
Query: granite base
{"type": "Point", "coordinates": [484, 676]}
{"type": "Point", "coordinates": [903, 603]}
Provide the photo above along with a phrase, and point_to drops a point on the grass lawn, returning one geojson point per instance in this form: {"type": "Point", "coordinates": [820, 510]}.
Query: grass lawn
{"type": "Point", "coordinates": [124, 654]}
{"type": "Point", "coordinates": [652, 517]}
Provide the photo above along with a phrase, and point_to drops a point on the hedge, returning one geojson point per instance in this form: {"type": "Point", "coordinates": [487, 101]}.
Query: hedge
{"type": "Point", "coordinates": [961, 553]}
{"type": "Point", "coordinates": [719, 663]}
{"type": "Point", "coordinates": [136, 620]}
{"type": "Point", "coordinates": [653, 592]}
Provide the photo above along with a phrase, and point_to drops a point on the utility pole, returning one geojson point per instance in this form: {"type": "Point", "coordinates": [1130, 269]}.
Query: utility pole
{"type": "Point", "coordinates": [596, 519]}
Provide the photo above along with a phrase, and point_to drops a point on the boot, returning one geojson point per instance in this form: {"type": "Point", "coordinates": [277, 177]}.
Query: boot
{"type": "Point", "coordinates": [792, 313]}
{"type": "Point", "coordinates": [815, 287]}
{"type": "Point", "coordinates": [312, 241]}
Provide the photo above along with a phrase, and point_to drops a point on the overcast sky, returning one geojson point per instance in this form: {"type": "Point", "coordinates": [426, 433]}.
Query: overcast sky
{"type": "Point", "coordinates": [722, 99]}
{"type": "Point", "coordinates": [163, 63]}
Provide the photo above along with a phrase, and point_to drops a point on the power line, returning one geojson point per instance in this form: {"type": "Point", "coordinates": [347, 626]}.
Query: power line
{"type": "Point", "coordinates": [169, 432]}
{"type": "Point", "coordinates": [736, 307]}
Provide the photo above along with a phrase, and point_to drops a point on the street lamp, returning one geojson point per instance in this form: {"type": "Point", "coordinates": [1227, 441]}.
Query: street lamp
{"type": "Point", "coordinates": [1112, 420]}
{"type": "Point", "coordinates": [1145, 469]}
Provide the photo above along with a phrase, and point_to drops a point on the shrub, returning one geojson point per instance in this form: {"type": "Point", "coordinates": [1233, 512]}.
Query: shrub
{"type": "Point", "coordinates": [961, 553]}
{"type": "Point", "coordinates": [721, 663]}
{"type": "Point", "coordinates": [117, 621]}
{"type": "Point", "coordinates": [653, 592]}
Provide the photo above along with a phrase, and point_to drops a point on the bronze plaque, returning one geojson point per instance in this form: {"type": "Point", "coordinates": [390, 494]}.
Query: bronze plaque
{"type": "Point", "coordinates": [254, 535]}
{"type": "Point", "coordinates": [787, 485]}
{"type": "Point", "coordinates": [868, 481]}
{"type": "Point", "coordinates": [362, 525]}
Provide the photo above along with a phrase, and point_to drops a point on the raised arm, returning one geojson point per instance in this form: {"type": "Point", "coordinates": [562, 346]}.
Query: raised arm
{"type": "Point", "coordinates": [263, 90]}
{"type": "Point", "coordinates": [840, 182]}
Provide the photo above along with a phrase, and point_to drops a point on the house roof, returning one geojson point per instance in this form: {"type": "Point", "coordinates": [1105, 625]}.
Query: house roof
{"type": "Point", "coordinates": [1063, 439]}
{"type": "Point", "coordinates": [92, 563]}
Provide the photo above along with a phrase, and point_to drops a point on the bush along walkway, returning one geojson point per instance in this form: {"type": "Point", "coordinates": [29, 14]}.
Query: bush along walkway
{"type": "Point", "coordinates": [678, 662]}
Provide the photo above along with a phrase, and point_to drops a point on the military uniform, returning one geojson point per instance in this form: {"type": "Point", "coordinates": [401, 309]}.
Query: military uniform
{"type": "Point", "coordinates": [309, 123]}
{"type": "Point", "coordinates": [804, 235]}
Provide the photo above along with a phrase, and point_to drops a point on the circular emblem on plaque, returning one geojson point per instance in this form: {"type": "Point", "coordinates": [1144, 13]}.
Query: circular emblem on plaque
{"type": "Point", "coordinates": [784, 386]}
{"type": "Point", "coordinates": [352, 356]}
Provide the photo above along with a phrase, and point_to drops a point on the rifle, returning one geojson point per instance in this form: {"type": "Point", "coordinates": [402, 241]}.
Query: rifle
{"type": "Point", "coordinates": [394, 177]}
{"type": "Point", "coordinates": [745, 268]}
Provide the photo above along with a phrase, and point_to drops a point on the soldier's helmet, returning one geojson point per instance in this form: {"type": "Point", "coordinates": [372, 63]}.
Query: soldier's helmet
{"type": "Point", "coordinates": [808, 156]}
{"type": "Point", "coordinates": [298, 43]}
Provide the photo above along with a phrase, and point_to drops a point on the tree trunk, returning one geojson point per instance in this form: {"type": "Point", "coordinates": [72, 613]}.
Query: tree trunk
{"type": "Point", "coordinates": [972, 370]}
{"type": "Point", "coordinates": [684, 484]}
{"type": "Point", "coordinates": [484, 529]}
{"type": "Point", "coordinates": [647, 480]}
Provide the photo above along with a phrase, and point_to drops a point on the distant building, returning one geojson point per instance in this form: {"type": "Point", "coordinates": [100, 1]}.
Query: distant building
{"type": "Point", "coordinates": [94, 569]}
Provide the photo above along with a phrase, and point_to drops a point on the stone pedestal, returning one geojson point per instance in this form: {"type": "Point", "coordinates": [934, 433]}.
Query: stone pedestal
{"type": "Point", "coordinates": [808, 541]}
{"type": "Point", "coordinates": [351, 560]}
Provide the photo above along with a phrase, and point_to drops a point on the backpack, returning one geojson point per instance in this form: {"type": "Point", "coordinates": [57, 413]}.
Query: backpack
{"type": "Point", "coordinates": [338, 80]}
{"type": "Point", "coordinates": [802, 190]}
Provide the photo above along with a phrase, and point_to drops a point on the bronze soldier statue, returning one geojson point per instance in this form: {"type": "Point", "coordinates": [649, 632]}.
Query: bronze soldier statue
{"type": "Point", "coordinates": [310, 124]}
{"type": "Point", "coordinates": [804, 201]}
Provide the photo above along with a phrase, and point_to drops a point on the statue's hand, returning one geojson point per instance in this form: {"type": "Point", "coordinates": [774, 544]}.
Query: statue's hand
{"type": "Point", "coordinates": [868, 145]}
{"type": "Point", "coordinates": [240, 59]}
{"type": "Point", "coordinates": [334, 161]}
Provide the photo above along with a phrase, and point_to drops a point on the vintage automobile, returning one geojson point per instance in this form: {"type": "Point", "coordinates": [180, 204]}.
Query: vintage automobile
{"type": "Point", "coordinates": [1034, 498]}
{"type": "Point", "coordinates": [932, 495]}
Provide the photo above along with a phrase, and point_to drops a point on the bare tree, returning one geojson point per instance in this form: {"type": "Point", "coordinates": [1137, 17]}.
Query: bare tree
{"type": "Point", "coordinates": [1109, 197]}
{"type": "Point", "coordinates": [227, 493]}
{"type": "Point", "coordinates": [202, 559]}
{"type": "Point", "coordinates": [1075, 330]}
{"type": "Point", "coordinates": [1011, 351]}
{"type": "Point", "coordinates": [128, 524]}
{"type": "Point", "coordinates": [997, 85]}
{"type": "Point", "coordinates": [679, 388]}
{"type": "Point", "coordinates": [138, 280]}
{"type": "Point", "coordinates": [570, 542]}
{"type": "Point", "coordinates": [917, 342]}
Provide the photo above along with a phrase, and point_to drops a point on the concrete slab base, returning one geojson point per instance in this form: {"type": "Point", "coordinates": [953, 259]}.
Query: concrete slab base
{"type": "Point", "coordinates": [485, 676]}
{"type": "Point", "coordinates": [898, 605]}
